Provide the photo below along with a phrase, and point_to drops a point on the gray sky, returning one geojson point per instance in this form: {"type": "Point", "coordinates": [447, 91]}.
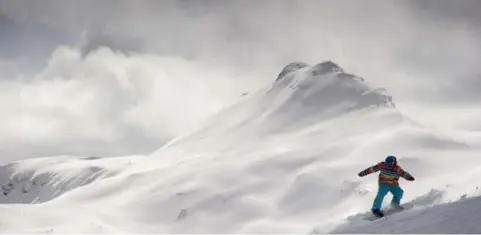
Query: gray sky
{"type": "Point", "coordinates": [207, 53]}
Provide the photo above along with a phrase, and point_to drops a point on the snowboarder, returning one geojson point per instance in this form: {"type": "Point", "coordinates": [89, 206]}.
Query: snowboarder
{"type": "Point", "coordinates": [388, 182]}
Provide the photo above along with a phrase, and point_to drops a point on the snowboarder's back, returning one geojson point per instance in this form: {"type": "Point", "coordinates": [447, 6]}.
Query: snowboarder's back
{"type": "Point", "coordinates": [388, 174]}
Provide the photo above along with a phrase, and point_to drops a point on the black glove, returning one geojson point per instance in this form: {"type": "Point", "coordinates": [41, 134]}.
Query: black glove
{"type": "Point", "coordinates": [410, 178]}
{"type": "Point", "coordinates": [361, 174]}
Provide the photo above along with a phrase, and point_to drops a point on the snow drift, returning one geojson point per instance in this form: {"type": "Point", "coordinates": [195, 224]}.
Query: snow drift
{"type": "Point", "coordinates": [281, 160]}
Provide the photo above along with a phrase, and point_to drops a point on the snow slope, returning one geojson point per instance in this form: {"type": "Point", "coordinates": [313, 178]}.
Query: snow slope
{"type": "Point", "coordinates": [282, 160]}
{"type": "Point", "coordinates": [42, 179]}
{"type": "Point", "coordinates": [462, 216]}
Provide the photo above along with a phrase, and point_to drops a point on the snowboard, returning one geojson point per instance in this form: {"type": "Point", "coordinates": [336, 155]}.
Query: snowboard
{"type": "Point", "coordinates": [387, 212]}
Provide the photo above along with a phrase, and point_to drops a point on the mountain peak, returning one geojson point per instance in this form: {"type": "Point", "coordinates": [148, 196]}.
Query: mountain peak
{"type": "Point", "coordinates": [324, 89]}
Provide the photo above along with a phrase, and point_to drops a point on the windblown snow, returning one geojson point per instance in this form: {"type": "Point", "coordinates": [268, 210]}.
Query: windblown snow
{"type": "Point", "coordinates": [281, 160]}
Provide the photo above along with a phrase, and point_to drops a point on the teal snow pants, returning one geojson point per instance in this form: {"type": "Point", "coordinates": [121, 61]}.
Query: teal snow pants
{"type": "Point", "coordinates": [396, 191]}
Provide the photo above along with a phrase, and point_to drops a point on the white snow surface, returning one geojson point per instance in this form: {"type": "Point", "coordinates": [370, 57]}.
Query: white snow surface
{"type": "Point", "coordinates": [282, 160]}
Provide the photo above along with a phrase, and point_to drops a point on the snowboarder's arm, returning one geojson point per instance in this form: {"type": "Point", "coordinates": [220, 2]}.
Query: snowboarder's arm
{"type": "Point", "coordinates": [404, 174]}
{"type": "Point", "coordinates": [369, 170]}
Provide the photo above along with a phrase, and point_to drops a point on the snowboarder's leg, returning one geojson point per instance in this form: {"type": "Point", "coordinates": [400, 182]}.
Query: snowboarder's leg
{"type": "Point", "coordinates": [381, 193]}
{"type": "Point", "coordinates": [397, 194]}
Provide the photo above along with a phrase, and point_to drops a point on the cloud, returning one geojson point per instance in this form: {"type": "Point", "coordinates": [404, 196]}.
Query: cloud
{"type": "Point", "coordinates": [129, 75]}
{"type": "Point", "coordinates": [392, 43]}
{"type": "Point", "coordinates": [23, 48]}
{"type": "Point", "coordinates": [109, 98]}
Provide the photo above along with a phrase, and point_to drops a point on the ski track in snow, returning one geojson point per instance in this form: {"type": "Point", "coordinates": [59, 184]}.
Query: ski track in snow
{"type": "Point", "coordinates": [283, 160]}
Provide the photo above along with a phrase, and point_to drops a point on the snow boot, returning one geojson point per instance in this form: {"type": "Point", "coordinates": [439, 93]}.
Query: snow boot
{"type": "Point", "coordinates": [377, 213]}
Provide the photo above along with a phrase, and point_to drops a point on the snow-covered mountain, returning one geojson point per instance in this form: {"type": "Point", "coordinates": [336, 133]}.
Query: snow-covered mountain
{"type": "Point", "coordinates": [282, 160]}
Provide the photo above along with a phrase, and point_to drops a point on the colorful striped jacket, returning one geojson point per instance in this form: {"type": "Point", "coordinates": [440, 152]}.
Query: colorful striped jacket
{"type": "Point", "coordinates": [389, 176]}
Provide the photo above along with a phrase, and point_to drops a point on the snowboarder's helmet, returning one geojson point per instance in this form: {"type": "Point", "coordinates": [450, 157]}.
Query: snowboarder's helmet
{"type": "Point", "coordinates": [390, 161]}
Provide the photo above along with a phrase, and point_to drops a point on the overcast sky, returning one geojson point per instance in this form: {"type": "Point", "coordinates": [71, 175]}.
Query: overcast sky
{"type": "Point", "coordinates": [175, 62]}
